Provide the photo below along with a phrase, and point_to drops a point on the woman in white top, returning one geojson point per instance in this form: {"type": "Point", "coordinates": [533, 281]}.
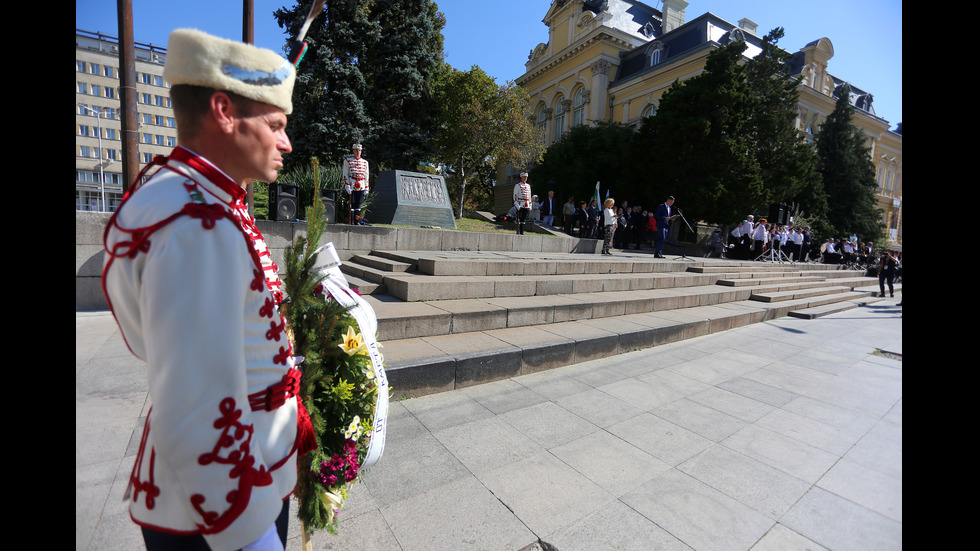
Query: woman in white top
{"type": "Point", "coordinates": [608, 224]}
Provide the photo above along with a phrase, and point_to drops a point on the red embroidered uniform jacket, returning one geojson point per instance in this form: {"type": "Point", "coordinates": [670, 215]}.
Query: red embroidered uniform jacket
{"type": "Point", "coordinates": [522, 195]}
{"type": "Point", "coordinates": [355, 173]}
{"type": "Point", "coordinates": [189, 280]}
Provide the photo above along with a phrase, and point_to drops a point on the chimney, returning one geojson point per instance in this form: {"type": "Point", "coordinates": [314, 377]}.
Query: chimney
{"type": "Point", "coordinates": [673, 13]}
{"type": "Point", "coordinates": [748, 25]}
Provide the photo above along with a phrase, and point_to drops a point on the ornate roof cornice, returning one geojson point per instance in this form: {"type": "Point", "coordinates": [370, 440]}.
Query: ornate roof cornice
{"type": "Point", "coordinates": [600, 36]}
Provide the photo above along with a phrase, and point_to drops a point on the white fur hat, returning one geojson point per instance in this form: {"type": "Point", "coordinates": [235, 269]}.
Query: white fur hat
{"type": "Point", "coordinates": [197, 58]}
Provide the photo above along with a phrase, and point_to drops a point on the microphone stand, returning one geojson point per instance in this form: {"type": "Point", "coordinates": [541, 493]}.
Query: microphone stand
{"type": "Point", "coordinates": [681, 215]}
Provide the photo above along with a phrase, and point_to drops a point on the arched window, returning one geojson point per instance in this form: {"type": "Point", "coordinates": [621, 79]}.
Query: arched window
{"type": "Point", "coordinates": [559, 118]}
{"type": "Point", "coordinates": [578, 107]}
{"type": "Point", "coordinates": [542, 121]}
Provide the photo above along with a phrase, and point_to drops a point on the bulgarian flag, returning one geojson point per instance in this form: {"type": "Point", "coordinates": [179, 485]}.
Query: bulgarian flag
{"type": "Point", "coordinates": [596, 197]}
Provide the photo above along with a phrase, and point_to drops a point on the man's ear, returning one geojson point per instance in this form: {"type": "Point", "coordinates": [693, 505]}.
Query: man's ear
{"type": "Point", "coordinates": [223, 111]}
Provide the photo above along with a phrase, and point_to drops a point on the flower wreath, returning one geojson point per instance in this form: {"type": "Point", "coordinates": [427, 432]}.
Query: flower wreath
{"type": "Point", "coordinates": [340, 384]}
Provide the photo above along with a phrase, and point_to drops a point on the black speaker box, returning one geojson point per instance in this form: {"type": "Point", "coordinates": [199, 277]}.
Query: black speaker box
{"type": "Point", "coordinates": [779, 214]}
{"type": "Point", "coordinates": [283, 203]}
{"type": "Point", "coordinates": [329, 199]}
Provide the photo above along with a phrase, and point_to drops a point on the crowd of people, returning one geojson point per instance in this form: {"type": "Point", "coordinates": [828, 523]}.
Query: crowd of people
{"type": "Point", "coordinates": [629, 226]}
{"type": "Point", "coordinates": [760, 240]}
{"type": "Point", "coordinates": [626, 226]}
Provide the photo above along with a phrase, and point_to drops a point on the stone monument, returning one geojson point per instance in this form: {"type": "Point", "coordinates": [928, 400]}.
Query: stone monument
{"type": "Point", "coordinates": [411, 199]}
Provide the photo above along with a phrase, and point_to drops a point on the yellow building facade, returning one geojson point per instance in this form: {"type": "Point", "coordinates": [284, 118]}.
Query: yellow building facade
{"type": "Point", "coordinates": [612, 60]}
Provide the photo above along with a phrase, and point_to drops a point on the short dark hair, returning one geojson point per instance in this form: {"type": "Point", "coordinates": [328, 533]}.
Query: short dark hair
{"type": "Point", "coordinates": [191, 103]}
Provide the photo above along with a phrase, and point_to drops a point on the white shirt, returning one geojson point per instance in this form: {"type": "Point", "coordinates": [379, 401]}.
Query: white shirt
{"type": "Point", "coordinates": [608, 217]}
{"type": "Point", "coordinates": [746, 228]}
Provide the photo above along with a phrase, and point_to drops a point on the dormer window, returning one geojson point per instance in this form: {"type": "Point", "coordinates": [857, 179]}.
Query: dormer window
{"type": "Point", "coordinates": [656, 53]}
{"type": "Point", "coordinates": [736, 35]}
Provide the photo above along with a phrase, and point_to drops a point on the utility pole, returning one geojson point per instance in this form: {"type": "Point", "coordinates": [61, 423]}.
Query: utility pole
{"type": "Point", "coordinates": [248, 36]}
{"type": "Point", "coordinates": [129, 123]}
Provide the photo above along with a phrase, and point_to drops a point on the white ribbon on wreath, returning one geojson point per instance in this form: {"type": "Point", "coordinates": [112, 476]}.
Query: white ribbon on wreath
{"type": "Point", "coordinates": [335, 286]}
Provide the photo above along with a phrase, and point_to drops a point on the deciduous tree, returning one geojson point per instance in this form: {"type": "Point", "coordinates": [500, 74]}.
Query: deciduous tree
{"type": "Point", "coordinates": [482, 123]}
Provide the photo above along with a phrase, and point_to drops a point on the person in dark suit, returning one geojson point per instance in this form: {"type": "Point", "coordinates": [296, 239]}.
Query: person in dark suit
{"type": "Point", "coordinates": [548, 208]}
{"type": "Point", "coordinates": [664, 214]}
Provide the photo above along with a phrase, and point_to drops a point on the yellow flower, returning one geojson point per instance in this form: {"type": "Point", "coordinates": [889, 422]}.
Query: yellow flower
{"type": "Point", "coordinates": [353, 343]}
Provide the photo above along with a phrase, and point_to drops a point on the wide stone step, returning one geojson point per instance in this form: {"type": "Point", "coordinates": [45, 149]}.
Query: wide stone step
{"type": "Point", "coordinates": [759, 281]}
{"type": "Point", "coordinates": [455, 318]}
{"type": "Point", "coordinates": [400, 319]}
{"type": "Point", "coordinates": [503, 263]}
{"type": "Point", "coordinates": [776, 296]}
{"type": "Point", "coordinates": [364, 286]}
{"type": "Point", "coordinates": [381, 263]}
{"type": "Point", "coordinates": [420, 287]}
{"type": "Point", "coordinates": [424, 365]}
{"type": "Point", "coordinates": [744, 267]}
{"type": "Point", "coordinates": [832, 308]}
{"type": "Point", "coordinates": [835, 274]}
{"type": "Point", "coordinates": [364, 272]}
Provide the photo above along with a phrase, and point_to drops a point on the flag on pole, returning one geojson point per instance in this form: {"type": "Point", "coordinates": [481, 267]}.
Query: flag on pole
{"type": "Point", "coordinates": [596, 193]}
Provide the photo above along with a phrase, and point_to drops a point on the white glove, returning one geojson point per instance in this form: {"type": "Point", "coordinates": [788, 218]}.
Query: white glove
{"type": "Point", "coordinates": [269, 541]}
{"type": "Point", "coordinates": [348, 189]}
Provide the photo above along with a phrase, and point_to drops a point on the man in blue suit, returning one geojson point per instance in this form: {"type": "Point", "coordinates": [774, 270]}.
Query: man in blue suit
{"type": "Point", "coordinates": [664, 214]}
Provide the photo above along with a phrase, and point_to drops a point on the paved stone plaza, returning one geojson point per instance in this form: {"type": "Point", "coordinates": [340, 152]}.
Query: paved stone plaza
{"type": "Point", "coordinates": [779, 435]}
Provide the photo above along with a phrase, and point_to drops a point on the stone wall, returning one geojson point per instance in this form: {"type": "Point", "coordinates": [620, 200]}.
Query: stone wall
{"type": "Point", "coordinates": [349, 240]}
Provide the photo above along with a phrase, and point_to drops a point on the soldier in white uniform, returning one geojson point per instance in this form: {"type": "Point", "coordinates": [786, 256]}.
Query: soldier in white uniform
{"type": "Point", "coordinates": [522, 201]}
{"type": "Point", "coordinates": [356, 181]}
{"type": "Point", "coordinates": [190, 282]}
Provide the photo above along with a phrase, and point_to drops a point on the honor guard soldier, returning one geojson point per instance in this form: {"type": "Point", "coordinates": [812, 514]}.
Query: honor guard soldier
{"type": "Point", "coordinates": [356, 181]}
{"type": "Point", "coordinates": [522, 202]}
{"type": "Point", "coordinates": [190, 282]}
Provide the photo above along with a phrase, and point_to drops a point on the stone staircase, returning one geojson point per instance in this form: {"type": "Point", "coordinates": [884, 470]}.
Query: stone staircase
{"type": "Point", "coordinates": [458, 318]}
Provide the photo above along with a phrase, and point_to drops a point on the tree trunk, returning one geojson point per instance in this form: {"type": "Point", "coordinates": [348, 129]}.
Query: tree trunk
{"type": "Point", "coordinates": [462, 189]}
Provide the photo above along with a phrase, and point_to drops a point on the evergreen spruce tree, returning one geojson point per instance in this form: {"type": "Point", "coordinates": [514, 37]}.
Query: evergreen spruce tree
{"type": "Point", "coordinates": [365, 78]}
{"type": "Point", "coordinates": [328, 97]}
{"type": "Point", "coordinates": [848, 174]}
{"type": "Point", "coordinates": [787, 162]}
{"type": "Point", "coordinates": [725, 141]}
{"type": "Point", "coordinates": [399, 69]}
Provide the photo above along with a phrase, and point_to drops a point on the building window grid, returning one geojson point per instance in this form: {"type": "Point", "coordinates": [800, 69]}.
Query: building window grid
{"type": "Point", "coordinates": [87, 200]}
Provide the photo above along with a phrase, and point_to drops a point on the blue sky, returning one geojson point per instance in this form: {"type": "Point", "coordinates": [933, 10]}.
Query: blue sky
{"type": "Point", "coordinates": [498, 34]}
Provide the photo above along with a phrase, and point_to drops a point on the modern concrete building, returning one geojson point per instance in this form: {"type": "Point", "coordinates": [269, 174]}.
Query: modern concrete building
{"type": "Point", "coordinates": [98, 145]}
{"type": "Point", "coordinates": [612, 60]}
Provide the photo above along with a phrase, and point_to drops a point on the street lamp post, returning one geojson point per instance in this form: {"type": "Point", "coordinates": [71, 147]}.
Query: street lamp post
{"type": "Point", "coordinates": [98, 116]}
